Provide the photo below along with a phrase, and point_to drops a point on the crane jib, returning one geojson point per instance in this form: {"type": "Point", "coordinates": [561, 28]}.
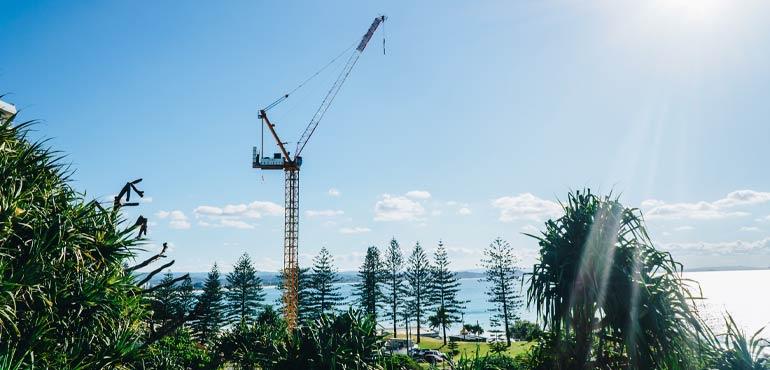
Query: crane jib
{"type": "Point", "coordinates": [370, 33]}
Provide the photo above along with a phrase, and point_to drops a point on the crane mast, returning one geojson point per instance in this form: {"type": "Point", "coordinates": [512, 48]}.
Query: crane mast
{"type": "Point", "coordinates": [291, 166]}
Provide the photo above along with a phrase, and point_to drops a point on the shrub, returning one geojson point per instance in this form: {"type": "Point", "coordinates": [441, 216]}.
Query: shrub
{"type": "Point", "coordinates": [400, 362]}
{"type": "Point", "coordinates": [525, 330]}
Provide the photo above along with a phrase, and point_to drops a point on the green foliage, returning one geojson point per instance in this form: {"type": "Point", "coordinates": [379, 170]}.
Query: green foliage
{"type": "Point", "coordinates": [525, 330]}
{"type": "Point", "coordinates": [345, 341]}
{"type": "Point", "coordinates": [475, 329]}
{"type": "Point", "coordinates": [739, 352]}
{"type": "Point", "coordinates": [454, 348]}
{"type": "Point", "coordinates": [261, 344]}
{"type": "Point", "coordinates": [497, 361]}
{"type": "Point", "coordinates": [210, 307]}
{"type": "Point", "coordinates": [611, 299]}
{"type": "Point", "coordinates": [501, 273]}
{"type": "Point", "coordinates": [368, 291]}
{"type": "Point", "coordinates": [323, 295]}
{"type": "Point", "coordinates": [304, 306]}
{"type": "Point", "coordinates": [244, 292]}
{"type": "Point", "coordinates": [418, 276]}
{"type": "Point", "coordinates": [400, 362]}
{"type": "Point", "coordinates": [177, 351]}
{"type": "Point", "coordinates": [66, 300]}
{"type": "Point", "coordinates": [393, 267]}
{"type": "Point", "coordinates": [444, 290]}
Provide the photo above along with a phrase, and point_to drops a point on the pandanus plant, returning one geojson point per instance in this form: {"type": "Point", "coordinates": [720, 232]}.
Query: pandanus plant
{"type": "Point", "coordinates": [67, 298]}
{"type": "Point", "coordinates": [608, 296]}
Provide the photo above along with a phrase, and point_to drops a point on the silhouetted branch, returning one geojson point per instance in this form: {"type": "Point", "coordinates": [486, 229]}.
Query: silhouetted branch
{"type": "Point", "coordinates": [167, 283]}
{"type": "Point", "coordinates": [155, 272]}
{"type": "Point", "coordinates": [150, 260]}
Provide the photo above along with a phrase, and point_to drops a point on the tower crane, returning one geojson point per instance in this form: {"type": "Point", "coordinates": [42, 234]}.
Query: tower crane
{"type": "Point", "coordinates": [291, 165]}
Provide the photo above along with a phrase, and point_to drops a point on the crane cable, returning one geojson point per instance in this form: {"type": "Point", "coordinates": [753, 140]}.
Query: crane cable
{"type": "Point", "coordinates": [285, 96]}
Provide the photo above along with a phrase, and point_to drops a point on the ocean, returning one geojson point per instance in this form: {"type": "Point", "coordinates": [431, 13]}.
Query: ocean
{"type": "Point", "coordinates": [744, 294]}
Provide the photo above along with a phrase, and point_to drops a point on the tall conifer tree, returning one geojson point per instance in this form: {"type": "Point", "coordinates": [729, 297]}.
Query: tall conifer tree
{"type": "Point", "coordinates": [244, 292]}
{"type": "Point", "coordinates": [503, 282]}
{"type": "Point", "coordinates": [324, 294]}
{"type": "Point", "coordinates": [393, 265]}
{"type": "Point", "coordinates": [418, 276]}
{"type": "Point", "coordinates": [209, 307]}
{"type": "Point", "coordinates": [445, 287]}
{"type": "Point", "coordinates": [368, 290]}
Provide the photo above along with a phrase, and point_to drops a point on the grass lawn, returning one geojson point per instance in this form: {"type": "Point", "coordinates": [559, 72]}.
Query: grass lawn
{"type": "Point", "coordinates": [469, 348]}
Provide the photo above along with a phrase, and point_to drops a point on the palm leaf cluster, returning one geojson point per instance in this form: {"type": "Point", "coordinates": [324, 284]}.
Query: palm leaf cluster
{"type": "Point", "coordinates": [65, 299]}
{"type": "Point", "coordinates": [610, 299]}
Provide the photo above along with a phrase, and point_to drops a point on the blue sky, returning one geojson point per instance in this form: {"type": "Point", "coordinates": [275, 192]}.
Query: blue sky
{"type": "Point", "coordinates": [479, 117]}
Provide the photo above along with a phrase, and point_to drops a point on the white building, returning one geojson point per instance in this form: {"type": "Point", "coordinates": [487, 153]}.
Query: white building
{"type": "Point", "coordinates": [6, 110]}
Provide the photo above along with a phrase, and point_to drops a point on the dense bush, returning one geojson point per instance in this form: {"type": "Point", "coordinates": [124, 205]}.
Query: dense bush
{"type": "Point", "coordinates": [525, 330]}
{"type": "Point", "coordinates": [177, 351]}
{"type": "Point", "coordinates": [400, 362]}
{"type": "Point", "coordinates": [66, 300]}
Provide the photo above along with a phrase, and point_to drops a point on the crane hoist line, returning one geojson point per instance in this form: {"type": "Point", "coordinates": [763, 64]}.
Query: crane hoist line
{"type": "Point", "coordinates": [291, 165]}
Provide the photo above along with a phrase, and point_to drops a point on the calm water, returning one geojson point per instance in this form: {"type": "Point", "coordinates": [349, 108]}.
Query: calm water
{"type": "Point", "coordinates": [742, 293]}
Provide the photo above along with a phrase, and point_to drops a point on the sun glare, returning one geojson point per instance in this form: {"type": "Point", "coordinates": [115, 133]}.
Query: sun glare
{"type": "Point", "coordinates": [692, 11]}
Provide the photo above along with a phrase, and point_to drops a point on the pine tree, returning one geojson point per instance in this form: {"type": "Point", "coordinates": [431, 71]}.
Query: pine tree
{"type": "Point", "coordinates": [165, 303]}
{"type": "Point", "coordinates": [445, 287]}
{"type": "Point", "coordinates": [418, 276]}
{"type": "Point", "coordinates": [324, 295]}
{"type": "Point", "coordinates": [185, 297]}
{"type": "Point", "coordinates": [368, 290]}
{"type": "Point", "coordinates": [393, 265]}
{"type": "Point", "coordinates": [209, 306]}
{"type": "Point", "coordinates": [304, 313]}
{"type": "Point", "coordinates": [244, 291]}
{"type": "Point", "coordinates": [500, 264]}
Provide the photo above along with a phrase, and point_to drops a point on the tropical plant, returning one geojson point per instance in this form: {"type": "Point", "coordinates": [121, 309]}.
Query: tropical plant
{"type": "Point", "coordinates": [445, 287]}
{"type": "Point", "coordinates": [500, 263]}
{"type": "Point", "coordinates": [261, 344]}
{"type": "Point", "coordinates": [244, 292]}
{"type": "Point", "coordinates": [345, 341]}
{"type": "Point", "coordinates": [497, 361]}
{"type": "Point", "coordinates": [737, 351]}
{"type": "Point", "coordinates": [610, 299]}
{"type": "Point", "coordinates": [177, 351]}
{"type": "Point", "coordinates": [67, 301]}
{"type": "Point", "coordinates": [400, 362]}
{"type": "Point", "coordinates": [525, 330]}
{"type": "Point", "coordinates": [368, 290]}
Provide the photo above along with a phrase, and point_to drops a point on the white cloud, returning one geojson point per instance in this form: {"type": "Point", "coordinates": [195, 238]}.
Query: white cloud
{"type": "Point", "coordinates": [749, 228]}
{"type": "Point", "coordinates": [177, 219]}
{"type": "Point", "coordinates": [464, 211]}
{"type": "Point", "coordinates": [684, 228]}
{"type": "Point", "coordinates": [743, 197]}
{"type": "Point", "coordinates": [702, 210]}
{"type": "Point", "coordinates": [334, 192]}
{"type": "Point", "coordinates": [397, 208]}
{"type": "Point", "coordinates": [235, 215]}
{"type": "Point", "coordinates": [237, 224]}
{"type": "Point", "coordinates": [418, 194]}
{"type": "Point", "coordinates": [435, 212]}
{"type": "Point", "coordinates": [255, 209]}
{"type": "Point", "coordinates": [324, 213]}
{"type": "Point", "coordinates": [720, 248]}
{"type": "Point", "coordinates": [354, 230]}
{"type": "Point", "coordinates": [525, 207]}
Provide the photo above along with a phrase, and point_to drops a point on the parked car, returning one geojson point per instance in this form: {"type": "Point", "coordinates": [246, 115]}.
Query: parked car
{"type": "Point", "coordinates": [433, 359]}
